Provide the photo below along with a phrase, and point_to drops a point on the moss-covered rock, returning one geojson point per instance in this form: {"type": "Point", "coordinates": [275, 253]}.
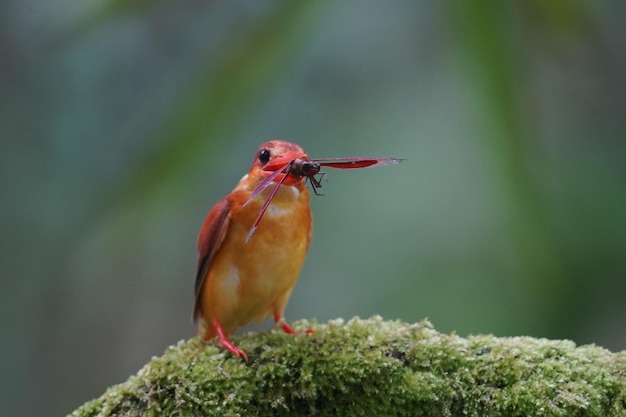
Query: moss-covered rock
{"type": "Point", "coordinates": [373, 368]}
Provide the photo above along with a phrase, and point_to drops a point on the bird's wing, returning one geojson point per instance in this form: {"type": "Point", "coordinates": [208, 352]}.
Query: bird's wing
{"type": "Point", "coordinates": [210, 240]}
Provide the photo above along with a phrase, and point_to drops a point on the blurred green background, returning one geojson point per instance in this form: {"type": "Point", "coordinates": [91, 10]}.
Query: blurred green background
{"type": "Point", "coordinates": [123, 122]}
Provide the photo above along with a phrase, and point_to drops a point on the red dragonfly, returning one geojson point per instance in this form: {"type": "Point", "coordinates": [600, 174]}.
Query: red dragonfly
{"type": "Point", "coordinates": [301, 167]}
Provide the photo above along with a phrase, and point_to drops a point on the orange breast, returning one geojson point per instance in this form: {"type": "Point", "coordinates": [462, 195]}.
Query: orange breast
{"type": "Point", "coordinates": [249, 281]}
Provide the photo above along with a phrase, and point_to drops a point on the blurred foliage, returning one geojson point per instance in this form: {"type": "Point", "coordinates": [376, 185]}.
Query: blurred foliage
{"type": "Point", "coordinates": [123, 122]}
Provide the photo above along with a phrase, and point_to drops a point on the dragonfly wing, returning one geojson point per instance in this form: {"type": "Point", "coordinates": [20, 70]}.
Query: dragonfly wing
{"type": "Point", "coordinates": [352, 163]}
{"type": "Point", "coordinates": [265, 183]}
{"type": "Point", "coordinates": [264, 208]}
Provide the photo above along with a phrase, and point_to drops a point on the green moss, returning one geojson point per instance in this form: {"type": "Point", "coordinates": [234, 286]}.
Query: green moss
{"type": "Point", "coordinates": [373, 368]}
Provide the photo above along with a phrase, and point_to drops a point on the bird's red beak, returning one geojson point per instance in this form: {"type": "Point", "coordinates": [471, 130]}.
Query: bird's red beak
{"type": "Point", "coordinates": [282, 160]}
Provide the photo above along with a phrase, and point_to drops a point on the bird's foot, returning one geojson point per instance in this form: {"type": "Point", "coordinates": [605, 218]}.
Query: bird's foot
{"type": "Point", "coordinates": [227, 344]}
{"type": "Point", "coordinates": [279, 319]}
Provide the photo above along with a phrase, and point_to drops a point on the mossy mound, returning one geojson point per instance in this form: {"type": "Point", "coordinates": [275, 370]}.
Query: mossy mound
{"type": "Point", "coordinates": [373, 368]}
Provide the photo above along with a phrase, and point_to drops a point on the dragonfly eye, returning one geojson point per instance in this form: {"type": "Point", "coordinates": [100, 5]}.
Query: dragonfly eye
{"type": "Point", "coordinates": [264, 156]}
{"type": "Point", "coordinates": [303, 167]}
{"type": "Point", "coordinates": [310, 168]}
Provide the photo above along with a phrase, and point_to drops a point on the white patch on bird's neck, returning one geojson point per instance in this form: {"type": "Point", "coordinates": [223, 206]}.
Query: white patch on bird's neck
{"type": "Point", "coordinates": [281, 204]}
{"type": "Point", "coordinates": [276, 211]}
{"type": "Point", "coordinates": [290, 189]}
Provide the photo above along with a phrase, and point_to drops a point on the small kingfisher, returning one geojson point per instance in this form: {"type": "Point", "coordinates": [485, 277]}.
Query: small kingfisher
{"type": "Point", "coordinates": [253, 242]}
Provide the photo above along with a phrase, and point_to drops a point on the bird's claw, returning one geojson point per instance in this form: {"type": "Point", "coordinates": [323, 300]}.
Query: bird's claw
{"type": "Point", "coordinates": [227, 344]}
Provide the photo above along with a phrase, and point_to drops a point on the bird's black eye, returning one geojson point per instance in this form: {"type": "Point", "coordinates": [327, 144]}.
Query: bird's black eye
{"type": "Point", "coordinates": [264, 156]}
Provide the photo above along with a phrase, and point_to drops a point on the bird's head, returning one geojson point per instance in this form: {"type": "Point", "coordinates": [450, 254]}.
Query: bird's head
{"type": "Point", "coordinates": [276, 155]}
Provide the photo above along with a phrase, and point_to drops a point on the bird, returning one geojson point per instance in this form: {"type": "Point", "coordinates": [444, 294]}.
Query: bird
{"type": "Point", "coordinates": [253, 242]}
{"type": "Point", "coordinates": [252, 246]}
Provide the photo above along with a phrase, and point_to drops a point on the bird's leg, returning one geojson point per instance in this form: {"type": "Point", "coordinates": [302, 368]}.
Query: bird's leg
{"type": "Point", "coordinates": [279, 319]}
{"type": "Point", "coordinates": [227, 344]}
